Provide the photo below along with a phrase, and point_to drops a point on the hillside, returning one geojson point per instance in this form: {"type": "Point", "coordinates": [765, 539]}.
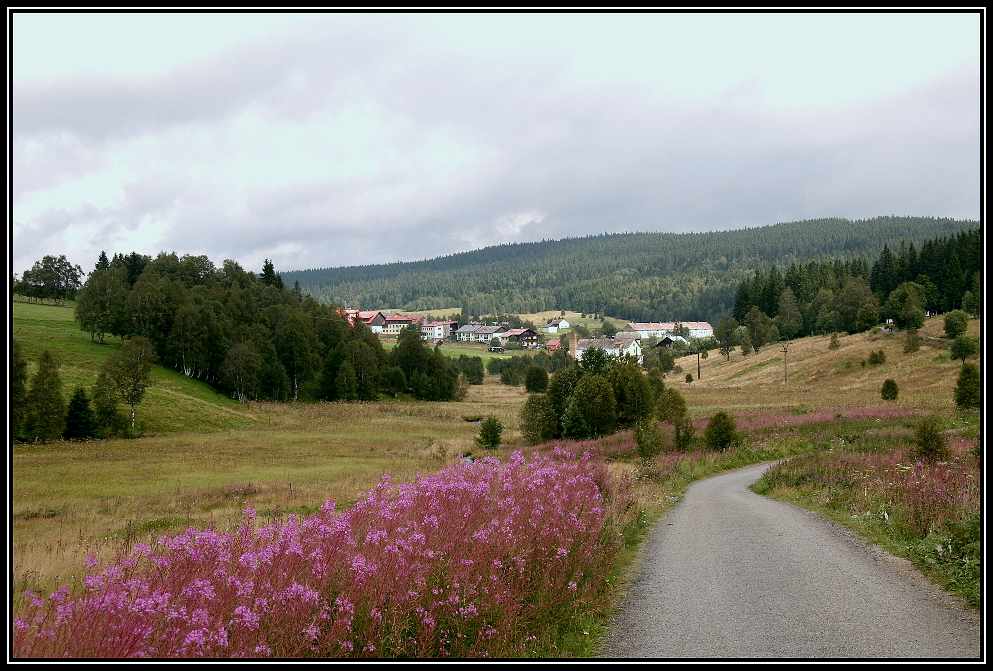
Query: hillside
{"type": "Point", "coordinates": [823, 378]}
{"type": "Point", "coordinates": [173, 402]}
{"type": "Point", "coordinates": [633, 276]}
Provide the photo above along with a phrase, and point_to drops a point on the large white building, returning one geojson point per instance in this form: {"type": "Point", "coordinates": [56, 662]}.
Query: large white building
{"type": "Point", "coordinates": [660, 329]}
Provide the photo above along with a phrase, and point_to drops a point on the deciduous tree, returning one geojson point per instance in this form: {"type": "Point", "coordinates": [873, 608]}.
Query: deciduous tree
{"type": "Point", "coordinates": [130, 370]}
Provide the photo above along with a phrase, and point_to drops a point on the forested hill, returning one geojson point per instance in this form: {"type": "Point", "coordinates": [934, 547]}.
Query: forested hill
{"type": "Point", "coordinates": [636, 276]}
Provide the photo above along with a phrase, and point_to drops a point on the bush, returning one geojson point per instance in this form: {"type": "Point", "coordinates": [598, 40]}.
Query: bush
{"type": "Point", "coordinates": [956, 322]}
{"type": "Point", "coordinates": [877, 358]}
{"type": "Point", "coordinates": [538, 420]}
{"type": "Point", "coordinates": [689, 378]}
{"type": "Point", "coordinates": [912, 343]}
{"type": "Point", "coordinates": [721, 432]}
{"type": "Point", "coordinates": [929, 442]}
{"type": "Point", "coordinates": [684, 434]}
{"type": "Point", "coordinates": [835, 343]}
{"type": "Point", "coordinates": [536, 380]}
{"type": "Point", "coordinates": [890, 390]}
{"type": "Point", "coordinates": [649, 438]}
{"type": "Point", "coordinates": [968, 390]}
{"type": "Point", "coordinates": [964, 347]}
{"type": "Point", "coordinates": [490, 430]}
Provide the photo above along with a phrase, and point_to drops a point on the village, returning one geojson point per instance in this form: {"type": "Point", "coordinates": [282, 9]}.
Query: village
{"type": "Point", "coordinates": [627, 341]}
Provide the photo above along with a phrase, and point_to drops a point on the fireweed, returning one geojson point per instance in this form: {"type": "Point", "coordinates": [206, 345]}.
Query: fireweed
{"type": "Point", "coordinates": [471, 562]}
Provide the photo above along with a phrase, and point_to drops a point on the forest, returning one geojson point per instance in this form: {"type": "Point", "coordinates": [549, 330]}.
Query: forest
{"type": "Point", "coordinates": [246, 334]}
{"type": "Point", "coordinates": [632, 276]}
{"type": "Point", "coordinates": [254, 338]}
{"type": "Point", "coordinates": [852, 296]}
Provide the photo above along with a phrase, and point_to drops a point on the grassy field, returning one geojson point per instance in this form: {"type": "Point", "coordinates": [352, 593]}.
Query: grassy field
{"type": "Point", "coordinates": [205, 457]}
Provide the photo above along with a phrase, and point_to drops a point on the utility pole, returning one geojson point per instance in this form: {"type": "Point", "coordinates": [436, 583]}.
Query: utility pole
{"type": "Point", "coordinates": [786, 374]}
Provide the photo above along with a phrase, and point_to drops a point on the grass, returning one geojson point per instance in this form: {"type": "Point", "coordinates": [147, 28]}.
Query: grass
{"type": "Point", "coordinates": [205, 457]}
{"type": "Point", "coordinates": [173, 402]}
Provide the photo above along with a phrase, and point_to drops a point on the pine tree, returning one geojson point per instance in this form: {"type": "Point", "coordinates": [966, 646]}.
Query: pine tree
{"type": "Point", "coordinates": [46, 408]}
{"type": "Point", "coordinates": [80, 420]}
{"type": "Point", "coordinates": [968, 390]}
{"type": "Point", "coordinates": [890, 390]}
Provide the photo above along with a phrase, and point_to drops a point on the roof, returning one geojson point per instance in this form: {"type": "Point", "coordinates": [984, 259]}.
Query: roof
{"type": "Point", "coordinates": [669, 326]}
{"type": "Point", "coordinates": [517, 332]}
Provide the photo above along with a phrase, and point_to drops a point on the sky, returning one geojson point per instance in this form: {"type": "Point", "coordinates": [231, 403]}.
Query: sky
{"type": "Point", "coordinates": [323, 140]}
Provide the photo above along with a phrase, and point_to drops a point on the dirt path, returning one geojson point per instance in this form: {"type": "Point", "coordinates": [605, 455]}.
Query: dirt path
{"type": "Point", "coordinates": [729, 573]}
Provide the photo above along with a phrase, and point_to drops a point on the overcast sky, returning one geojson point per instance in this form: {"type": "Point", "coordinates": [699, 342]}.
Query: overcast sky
{"type": "Point", "coordinates": [330, 140]}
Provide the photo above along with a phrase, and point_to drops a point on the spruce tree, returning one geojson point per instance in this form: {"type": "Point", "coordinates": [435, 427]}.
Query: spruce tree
{"type": "Point", "coordinates": [46, 408]}
{"type": "Point", "coordinates": [968, 390]}
{"type": "Point", "coordinates": [80, 419]}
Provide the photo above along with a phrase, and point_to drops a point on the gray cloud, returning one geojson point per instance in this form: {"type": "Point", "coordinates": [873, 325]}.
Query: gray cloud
{"type": "Point", "coordinates": [544, 159]}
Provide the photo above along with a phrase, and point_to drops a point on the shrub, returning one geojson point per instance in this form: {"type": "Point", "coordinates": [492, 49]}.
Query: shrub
{"type": "Point", "coordinates": [721, 432]}
{"type": "Point", "coordinates": [490, 430]}
{"type": "Point", "coordinates": [890, 390]}
{"type": "Point", "coordinates": [877, 358]}
{"type": "Point", "coordinates": [649, 438]}
{"type": "Point", "coordinates": [968, 390]}
{"type": "Point", "coordinates": [671, 406]}
{"type": "Point", "coordinates": [964, 347]}
{"type": "Point", "coordinates": [912, 343]}
{"type": "Point", "coordinates": [684, 434]}
{"type": "Point", "coordinates": [956, 322]}
{"type": "Point", "coordinates": [929, 442]}
{"type": "Point", "coordinates": [835, 343]}
{"type": "Point", "coordinates": [536, 380]}
{"type": "Point", "coordinates": [538, 420]}
{"type": "Point", "coordinates": [689, 378]}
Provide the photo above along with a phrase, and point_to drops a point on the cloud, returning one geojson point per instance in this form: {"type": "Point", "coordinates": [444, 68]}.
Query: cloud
{"type": "Point", "coordinates": [348, 144]}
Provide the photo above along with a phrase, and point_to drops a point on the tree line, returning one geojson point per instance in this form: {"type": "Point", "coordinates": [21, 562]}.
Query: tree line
{"type": "Point", "coordinates": [39, 412]}
{"type": "Point", "coordinates": [251, 335]}
{"type": "Point", "coordinates": [850, 296]}
{"type": "Point", "coordinates": [634, 276]}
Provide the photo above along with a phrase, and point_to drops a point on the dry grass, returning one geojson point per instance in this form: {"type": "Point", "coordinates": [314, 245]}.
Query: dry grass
{"type": "Point", "coordinates": [820, 377]}
{"type": "Point", "coordinates": [74, 499]}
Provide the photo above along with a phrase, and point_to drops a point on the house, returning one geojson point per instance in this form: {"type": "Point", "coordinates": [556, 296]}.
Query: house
{"type": "Point", "coordinates": [374, 319]}
{"type": "Point", "coordinates": [465, 332]}
{"type": "Point", "coordinates": [486, 333]}
{"type": "Point", "coordinates": [660, 329]}
{"type": "Point", "coordinates": [667, 341]}
{"type": "Point", "coordinates": [435, 330]}
{"type": "Point", "coordinates": [554, 344]}
{"type": "Point", "coordinates": [393, 324]}
{"type": "Point", "coordinates": [524, 336]}
{"type": "Point", "coordinates": [554, 325]}
{"type": "Point", "coordinates": [349, 315]}
{"type": "Point", "coordinates": [617, 346]}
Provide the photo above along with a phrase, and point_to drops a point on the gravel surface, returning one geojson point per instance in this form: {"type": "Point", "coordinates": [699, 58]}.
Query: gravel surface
{"type": "Point", "coordinates": [731, 574]}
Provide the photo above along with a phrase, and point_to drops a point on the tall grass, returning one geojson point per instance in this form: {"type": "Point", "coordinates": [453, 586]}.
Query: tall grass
{"type": "Point", "coordinates": [479, 560]}
{"type": "Point", "coordinates": [929, 512]}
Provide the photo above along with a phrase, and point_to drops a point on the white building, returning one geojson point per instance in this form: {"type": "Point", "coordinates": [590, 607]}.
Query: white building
{"type": "Point", "coordinates": [660, 329]}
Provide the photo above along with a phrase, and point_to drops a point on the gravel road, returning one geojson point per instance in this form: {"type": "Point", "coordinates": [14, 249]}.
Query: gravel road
{"type": "Point", "coordinates": [731, 574]}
